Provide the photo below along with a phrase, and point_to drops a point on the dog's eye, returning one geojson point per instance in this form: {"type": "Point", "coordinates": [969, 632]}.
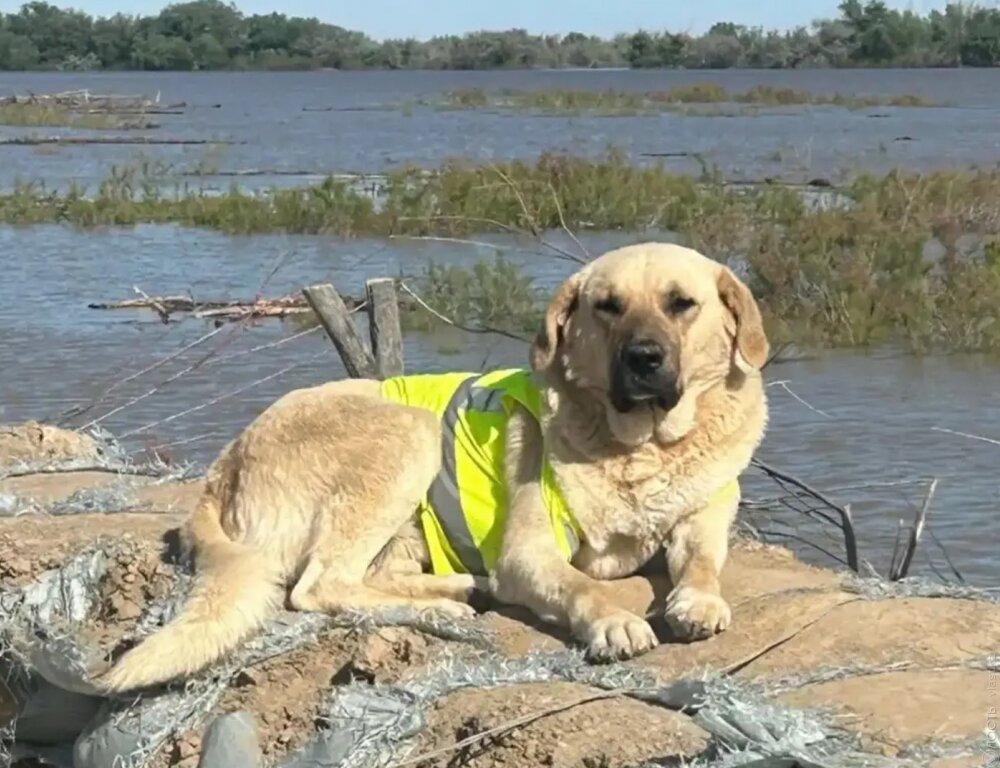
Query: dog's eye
{"type": "Point", "coordinates": [678, 304]}
{"type": "Point", "coordinates": [609, 305]}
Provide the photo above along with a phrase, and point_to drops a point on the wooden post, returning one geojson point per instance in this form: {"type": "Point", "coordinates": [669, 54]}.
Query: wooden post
{"type": "Point", "coordinates": [384, 326]}
{"type": "Point", "coordinates": [336, 320]}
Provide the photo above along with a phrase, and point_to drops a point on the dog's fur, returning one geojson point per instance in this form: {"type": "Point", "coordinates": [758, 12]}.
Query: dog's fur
{"type": "Point", "coordinates": [319, 493]}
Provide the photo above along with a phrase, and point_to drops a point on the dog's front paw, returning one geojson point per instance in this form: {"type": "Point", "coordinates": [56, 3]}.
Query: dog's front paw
{"type": "Point", "coordinates": [693, 614]}
{"type": "Point", "coordinates": [451, 609]}
{"type": "Point", "coordinates": [621, 635]}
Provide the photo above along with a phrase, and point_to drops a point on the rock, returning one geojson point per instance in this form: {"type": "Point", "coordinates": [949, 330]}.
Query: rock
{"type": "Point", "coordinates": [9, 503]}
{"type": "Point", "coordinates": [231, 742]}
{"type": "Point", "coordinates": [50, 715]}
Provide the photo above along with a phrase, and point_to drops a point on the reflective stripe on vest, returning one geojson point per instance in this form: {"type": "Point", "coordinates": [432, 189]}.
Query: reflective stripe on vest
{"type": "Point", "coordinates": [444, 496]}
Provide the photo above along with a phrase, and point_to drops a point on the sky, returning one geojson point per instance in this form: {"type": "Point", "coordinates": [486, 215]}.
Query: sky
{"type": "Point", "coordinates": [425, 18]}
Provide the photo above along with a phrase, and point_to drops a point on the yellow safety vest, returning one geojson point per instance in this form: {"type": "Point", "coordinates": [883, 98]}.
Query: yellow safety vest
{"type": "Point", "coordinates": [463, 512]}
{"type": "Point", "coordinates": [462, 515]}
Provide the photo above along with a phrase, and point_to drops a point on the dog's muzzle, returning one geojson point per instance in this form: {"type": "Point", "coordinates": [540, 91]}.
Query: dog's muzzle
{"type": "Point", "coordinates": [644, 372]}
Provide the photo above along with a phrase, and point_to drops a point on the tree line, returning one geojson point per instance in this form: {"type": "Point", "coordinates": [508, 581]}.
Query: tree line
{"type": "Point", "coordinates": [211, 34]}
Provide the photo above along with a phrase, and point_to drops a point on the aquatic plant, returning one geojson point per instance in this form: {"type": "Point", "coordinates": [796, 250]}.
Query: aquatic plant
{"type": "Point", "coordinates": [55, 115]}
{"type": "Point", "coordinates": [907, 258]}
{"type": "Point", "coordinates": [691, 98]}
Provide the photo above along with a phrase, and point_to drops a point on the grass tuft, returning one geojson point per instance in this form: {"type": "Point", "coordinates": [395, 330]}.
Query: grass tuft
{"type": "Point", "coordinates": [681, 98]}
{"type": "Point", "coordinates": [55, 115]}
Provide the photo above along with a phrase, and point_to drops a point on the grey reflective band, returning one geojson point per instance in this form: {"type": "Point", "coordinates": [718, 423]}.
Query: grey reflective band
{"type": "Point", "coordinates": [485, 399]}
{"type": "Point", "coordinates": [443, 494]}
{"type": "Point", "coordinates": [573, 539]}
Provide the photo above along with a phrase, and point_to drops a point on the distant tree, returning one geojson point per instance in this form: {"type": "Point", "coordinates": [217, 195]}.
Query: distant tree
{"type": "Point", "coordinates": [713, 52]}
{"type": "Point", "coordinates": [642, 51]}
{"type": "Point", "coordinates": [114, 39]}
{"type": "Point", "coordinates": [726, 29]}
{"type": "Point", "coordinates": [208, 52]}
{"type": "Point", "coordinates": [272, 32]}
{"type": "Point", "coordinates": [980, 46]}
{"type": "Point", "coordinates": [212, 34]}
{"type": "Point", "coordinates": [189, 21]}
{"type": "Point", "coordinates": [17, 51]}
{"type": "Point", "coordinates": [55, 33]}
{"type": "Point", "coordinates": [159, 52]}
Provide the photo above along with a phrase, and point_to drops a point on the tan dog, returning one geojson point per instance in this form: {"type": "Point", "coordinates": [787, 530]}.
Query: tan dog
{"type": "Point", "coordinates": [650, 359]}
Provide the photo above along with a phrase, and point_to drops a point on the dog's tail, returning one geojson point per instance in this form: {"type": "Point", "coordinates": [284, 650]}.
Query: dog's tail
{"type": "Point", "coordinates": [235, 590]}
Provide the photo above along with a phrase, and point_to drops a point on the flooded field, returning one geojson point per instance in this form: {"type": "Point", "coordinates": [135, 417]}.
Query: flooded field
{"type": "Point", "coordinates": [336, 122]}
{"type": "Point", "coordinates": [869, 428]}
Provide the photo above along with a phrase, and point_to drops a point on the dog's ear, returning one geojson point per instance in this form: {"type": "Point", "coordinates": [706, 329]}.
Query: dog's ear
{"type": "Point", "coordinates": [563, 303]}
{"type": "Point", "coordinates": [750, 345]}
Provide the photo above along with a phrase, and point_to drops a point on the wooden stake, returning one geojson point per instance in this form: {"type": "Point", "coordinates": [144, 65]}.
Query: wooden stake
{"type": "Point", "coordinates": [384, 326]}
{"type": "Point", "coordinates": [918, 528]}
{"type": "Point", "coordinates": [336, 319]}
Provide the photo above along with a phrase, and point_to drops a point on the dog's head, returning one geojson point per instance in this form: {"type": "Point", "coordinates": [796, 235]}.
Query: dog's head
{"type": "Point", "coordinates": [645, 325]}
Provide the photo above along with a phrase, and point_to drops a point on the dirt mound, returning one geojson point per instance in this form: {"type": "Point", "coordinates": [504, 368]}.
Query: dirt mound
{"type": "Point", "coordinates": [287, 695]}
{"type": "Point", "coordinates": [31, 544]}
{"type": "Point", "coordinates": [910, 675]}
{"type": "Point", "coordinates": [950, 700]}
{"type": "Point", "coordinates": [136, 576]}
{"type": "Point", "coordinates": [598, 732]}
{"type": "Point", "coordinates": [32, 441]}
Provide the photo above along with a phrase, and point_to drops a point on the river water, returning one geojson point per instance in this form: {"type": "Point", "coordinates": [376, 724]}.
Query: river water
{"type": "Point", "coordinates": [873, 430]}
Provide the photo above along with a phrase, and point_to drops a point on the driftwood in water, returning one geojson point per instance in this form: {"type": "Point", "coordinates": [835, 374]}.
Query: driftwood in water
{"type": "Point", "coordinates": [128, 112]}
{"type": "Point", "coordinates": [370, 108]}
{"type": "Point", "coordinates": [258, 172]}
{"type": "Point", "coordinates": [218, 309]}
{"type": "Point", "coordinates": [205, 307]}
{"type": "Point", "coordinates": [240, 309]}
{"type": "Point", "coordinates": [35, 141]}
{"type": "Point", "coordinates": [93, 102]}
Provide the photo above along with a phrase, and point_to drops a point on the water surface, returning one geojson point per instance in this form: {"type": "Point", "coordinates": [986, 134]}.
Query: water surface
{"type": "Point", "coordinates": [370, 128]}
{"type": "Point", "coordinates": [868, 433]}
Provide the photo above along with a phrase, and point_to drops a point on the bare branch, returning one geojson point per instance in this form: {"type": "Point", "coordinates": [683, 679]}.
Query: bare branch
{"type": "Point", "coordinates": [847, 524]}
{"type": "Point", "coordinates": [774, 355]}
{"type": "Point", "coordinates": [448, 321]}
{"type": "Point", "coordinates": [154, 304]}
{"type": "Point", "coordinates": [562, 222]}
{"type": "Point", "coordinates": [915, 532]}
{"type": "Point", "coordinates": [452, 240]}
{"type": "Point", "coordinates": [802, 540]}
{"type": "Point", "coordinates": [528, 215]}
{"type": "Point", "coordinates": [947, 557]}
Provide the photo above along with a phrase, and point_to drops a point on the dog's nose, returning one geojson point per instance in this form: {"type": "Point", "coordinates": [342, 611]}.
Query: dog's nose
{"type": "Point", "coordinates": [643, 357]}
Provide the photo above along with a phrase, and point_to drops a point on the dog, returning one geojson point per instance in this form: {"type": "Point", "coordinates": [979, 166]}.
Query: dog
{"type": "Point", "coordinates": [624, 439]}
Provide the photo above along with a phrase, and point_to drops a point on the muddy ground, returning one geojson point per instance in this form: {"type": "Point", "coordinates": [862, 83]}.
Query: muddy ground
{"type": "Point", "coordinates": [910, 676]}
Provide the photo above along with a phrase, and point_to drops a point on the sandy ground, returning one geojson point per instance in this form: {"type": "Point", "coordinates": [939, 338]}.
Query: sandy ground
{"type": "Point", "coordinates": [911, 680]}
